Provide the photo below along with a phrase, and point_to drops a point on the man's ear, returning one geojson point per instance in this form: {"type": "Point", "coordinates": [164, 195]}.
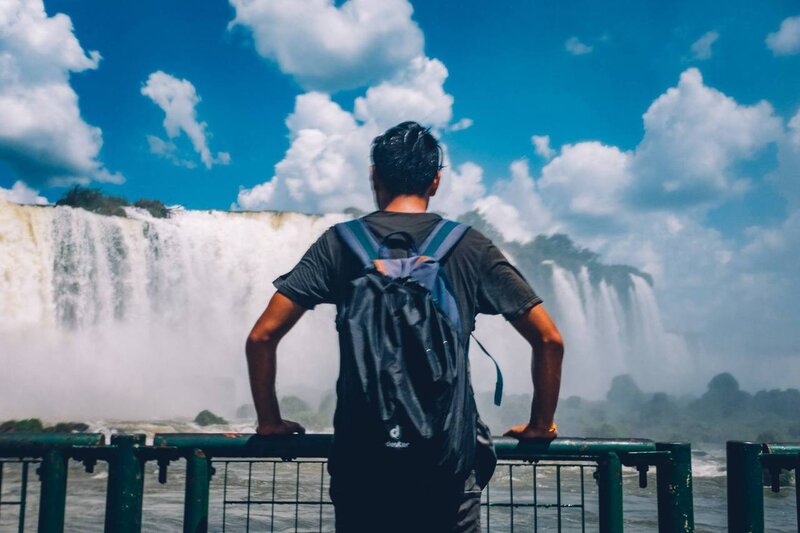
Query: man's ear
{"type": "Point", "coordinates": [434, 184]}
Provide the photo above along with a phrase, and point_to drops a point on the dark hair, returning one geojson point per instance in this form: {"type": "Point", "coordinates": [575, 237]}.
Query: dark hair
{"type": "Point", "coordinates": [406, 158]}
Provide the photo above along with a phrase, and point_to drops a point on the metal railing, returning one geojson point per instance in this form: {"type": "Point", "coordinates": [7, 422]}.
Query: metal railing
{"type": "Point", "coordinates": [747, 464]}
{"type": "Point", "coordinates": [287, 476]}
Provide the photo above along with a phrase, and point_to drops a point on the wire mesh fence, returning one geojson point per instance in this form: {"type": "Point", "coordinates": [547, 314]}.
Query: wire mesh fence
{"type": "Point", "coordinates": [15, 478]}
{"type": "Point", "coordinates": [275, 495]}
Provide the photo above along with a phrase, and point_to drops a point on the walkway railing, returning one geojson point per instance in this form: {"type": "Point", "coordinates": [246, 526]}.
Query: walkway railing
{"type": "Point", "coordinates": [748, 463]}
{"type": "Point", "coordinates": [535, 481]}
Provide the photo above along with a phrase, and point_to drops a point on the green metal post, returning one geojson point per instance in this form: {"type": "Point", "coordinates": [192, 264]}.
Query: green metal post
{"type": "Point", "coordinates": [745, 490]}
{"type": "Point", "coordinates": [675, 505]}
{"type": "Point", "coordinates": [52, 503]}
{"type": "Point", "coordinates": [125, 486]}
{"type": "Point", "coordinates": [195, 507]}
{"type": "Point", "coordinates": [609, 480]}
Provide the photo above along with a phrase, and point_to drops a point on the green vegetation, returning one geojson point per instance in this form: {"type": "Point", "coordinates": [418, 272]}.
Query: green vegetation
{"type": "Point", "coordinates": [94, 200]}
{"type": "Point", "coordinates": [155, 207]}
{"type": "Point", "coordinates": [724, 412]}
{"type": "Point", "coordinates": [298, 410]}
{"type": "Point", "coordinates": [207, 418]}
{"type": "Point", "coordinates": [34, 425]}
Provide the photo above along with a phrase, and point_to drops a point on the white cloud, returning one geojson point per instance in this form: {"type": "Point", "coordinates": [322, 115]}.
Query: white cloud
{"type": "Point", "coordinates": [168, 150]}
{"type": "Point", "coordinates": [459, 189]}
{"type": "Point", "coordinates": [785, 41]}
{"type": "Point", "coordinates": [415, 93]}
{"type": "Point", "coordinates": [178, 99]}
{"type": "Point", "coordinates": [701, 48]}
{"type": "Point", "coordinates": [574, 46]}
{"type": "Point", "coordinates": [694, 136]}
{"type": "Point", "coordinates": [586, 180]}
{"type": "Point", "coordinates": [523, 193]}
{"type": "Point", "coordinates": [541, 144]}
{"type": "Point", "coordinates": [42, 135]}
{"type": "Point", "coordinates": [20, 193]}
{"type": "Point", "coordinates": [326, 168]}
{"type": "Point", "coordinates": [787, 175]}
{"type": "Point", "coordinates": [461, 124]}
{"type": "Point", "coordinates": [328, 47]}
{"type": "Point", "coordinates": [504, 217]}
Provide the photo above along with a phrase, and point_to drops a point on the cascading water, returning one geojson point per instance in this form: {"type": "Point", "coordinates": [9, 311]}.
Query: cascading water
{"type": "Point", "coordinates": [142, 318]}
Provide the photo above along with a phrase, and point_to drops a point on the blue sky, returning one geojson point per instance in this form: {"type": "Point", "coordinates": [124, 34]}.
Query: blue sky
{"type": "Point", "coordinates": [508, 68]}
{"type": "Point", "coordinates": [667, 134]}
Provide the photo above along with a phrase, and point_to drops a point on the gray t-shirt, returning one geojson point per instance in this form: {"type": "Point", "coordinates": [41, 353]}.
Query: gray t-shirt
{"type": "Point", "coordinates": [482, 279]}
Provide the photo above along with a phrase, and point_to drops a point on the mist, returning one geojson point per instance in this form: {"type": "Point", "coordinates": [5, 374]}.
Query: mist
{"type": "Point", "coordinates": [142, 318]}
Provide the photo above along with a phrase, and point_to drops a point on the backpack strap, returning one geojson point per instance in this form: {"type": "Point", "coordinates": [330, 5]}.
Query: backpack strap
{"type": "Point", "coordinates": [359, 239]}
{"type": "Point", "coordinates": [498, 385]}
{"type": "Point", "coordinates": [442, 239]}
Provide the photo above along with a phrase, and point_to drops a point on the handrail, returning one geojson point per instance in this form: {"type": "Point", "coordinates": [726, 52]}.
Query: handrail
{"type": "Point", "coordinates": [127, 455]}
{"type": "Point", "coordinates": [746, 463]}
{"type": "Point", "coordinates": [318, 445]}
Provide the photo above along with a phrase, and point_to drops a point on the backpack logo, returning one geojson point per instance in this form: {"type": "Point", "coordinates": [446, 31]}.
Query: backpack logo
{"type": "Point", "coordinates": [395, 442]}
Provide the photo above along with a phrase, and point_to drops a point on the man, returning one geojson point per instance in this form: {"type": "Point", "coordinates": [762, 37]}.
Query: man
{"type": "Point", "coordinates": [369, 493]}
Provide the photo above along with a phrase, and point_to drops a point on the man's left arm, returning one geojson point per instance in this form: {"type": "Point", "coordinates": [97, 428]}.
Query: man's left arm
{"type": "Point", "coordinates": [277, 319]}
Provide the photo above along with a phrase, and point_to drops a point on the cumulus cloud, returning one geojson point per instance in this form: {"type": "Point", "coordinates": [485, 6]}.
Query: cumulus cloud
{"type": "Point", "coordinates": [694, 136]}
{"type": "Point", "coordinates": [326, 167]}
{"type": "Point", "coordinates": [541, 144]}
{"type": "Point", "coordinates": [785, 41]}
{"type": "Point", "coordinates": [574, 46]}
{"type": "Point", "coordinates": [329, 47]}
{"type": "Point", "coordinates": [459, 189]}
{"type": "Point", "coordinates": [20, 193]}
{"type": "Point", "coordinates": [415, 93]}
{"type": "Point", "coordinates": [42, 135]}
{"type": "Point", "coordinates": [178, 99]}
{"type": "Point", "coordinates": [701, 48]}
{"type": "Point", "coordinates": [584, 183]}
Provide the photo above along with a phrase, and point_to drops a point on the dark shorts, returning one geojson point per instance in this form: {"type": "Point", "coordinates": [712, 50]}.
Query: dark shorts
{"type": "Point", "coordinates": [364, 503]}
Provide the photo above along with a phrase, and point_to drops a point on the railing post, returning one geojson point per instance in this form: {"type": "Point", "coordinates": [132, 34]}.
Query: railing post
{"type": "Point", "coordinates": [125, 486]}
{"type": "Point", "coordinates": [745, 488]}
{"type": "Point", "coordinates": [195, 507]}
{"type": "Point", "coordinates": [674, 481]}
{"type": "Point", "coordinates": [52, 502]}
{"type": "Point", "coordinates": [609, 481]}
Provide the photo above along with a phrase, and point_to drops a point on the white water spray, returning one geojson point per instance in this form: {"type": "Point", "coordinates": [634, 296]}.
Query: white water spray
{"type": "Point", "coordinates": [145, 318]}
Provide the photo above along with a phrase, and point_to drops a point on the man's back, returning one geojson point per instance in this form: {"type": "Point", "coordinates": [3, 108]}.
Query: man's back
{"type": "Point", "coordinates": [483, 280]}
{"type": "Point", "coordinates": [383, 494]}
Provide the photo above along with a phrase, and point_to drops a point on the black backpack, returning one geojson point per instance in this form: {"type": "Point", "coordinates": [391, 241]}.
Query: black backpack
{"type": "Point", "coordinates": [404, 390]}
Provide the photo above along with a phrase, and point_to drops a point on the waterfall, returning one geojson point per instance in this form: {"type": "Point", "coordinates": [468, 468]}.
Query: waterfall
{"type": "Point", "coordinates": [141, 317]}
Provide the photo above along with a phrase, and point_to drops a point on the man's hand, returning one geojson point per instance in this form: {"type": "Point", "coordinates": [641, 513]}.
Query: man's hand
{"type": "Point", "coordinates": [527, 431]}
{"type": "Point", "coordinates": [284, 427]}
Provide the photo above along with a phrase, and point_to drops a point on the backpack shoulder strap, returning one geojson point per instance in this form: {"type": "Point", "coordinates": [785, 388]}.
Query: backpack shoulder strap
{"type": "Point", "coordinates": [498, 385]}
{"type": "Point", "coordinates": [359, 239]}
{"type": "Point", "coordinates": [443, 238]}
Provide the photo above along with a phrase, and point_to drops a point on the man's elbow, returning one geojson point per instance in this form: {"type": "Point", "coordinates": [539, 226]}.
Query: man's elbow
{"type": "Point", "coordinates": [553, 344]}
{"type": "Point", "coordinates": [257, 341]}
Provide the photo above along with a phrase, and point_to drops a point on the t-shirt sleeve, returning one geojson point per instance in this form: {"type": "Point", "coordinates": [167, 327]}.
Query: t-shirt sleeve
{"type": "Point", "coordinates": [502, 288]}
{"type": "Point", "coordinates": [311, 281]}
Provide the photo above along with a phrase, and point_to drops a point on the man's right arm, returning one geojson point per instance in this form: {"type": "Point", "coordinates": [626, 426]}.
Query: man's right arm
{"type": "Point", "coordinates": [538, 329]}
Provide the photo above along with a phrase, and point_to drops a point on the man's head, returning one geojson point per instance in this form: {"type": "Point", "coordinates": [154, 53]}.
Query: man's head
{"type": "Point", "coordinates": [406, 160]}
